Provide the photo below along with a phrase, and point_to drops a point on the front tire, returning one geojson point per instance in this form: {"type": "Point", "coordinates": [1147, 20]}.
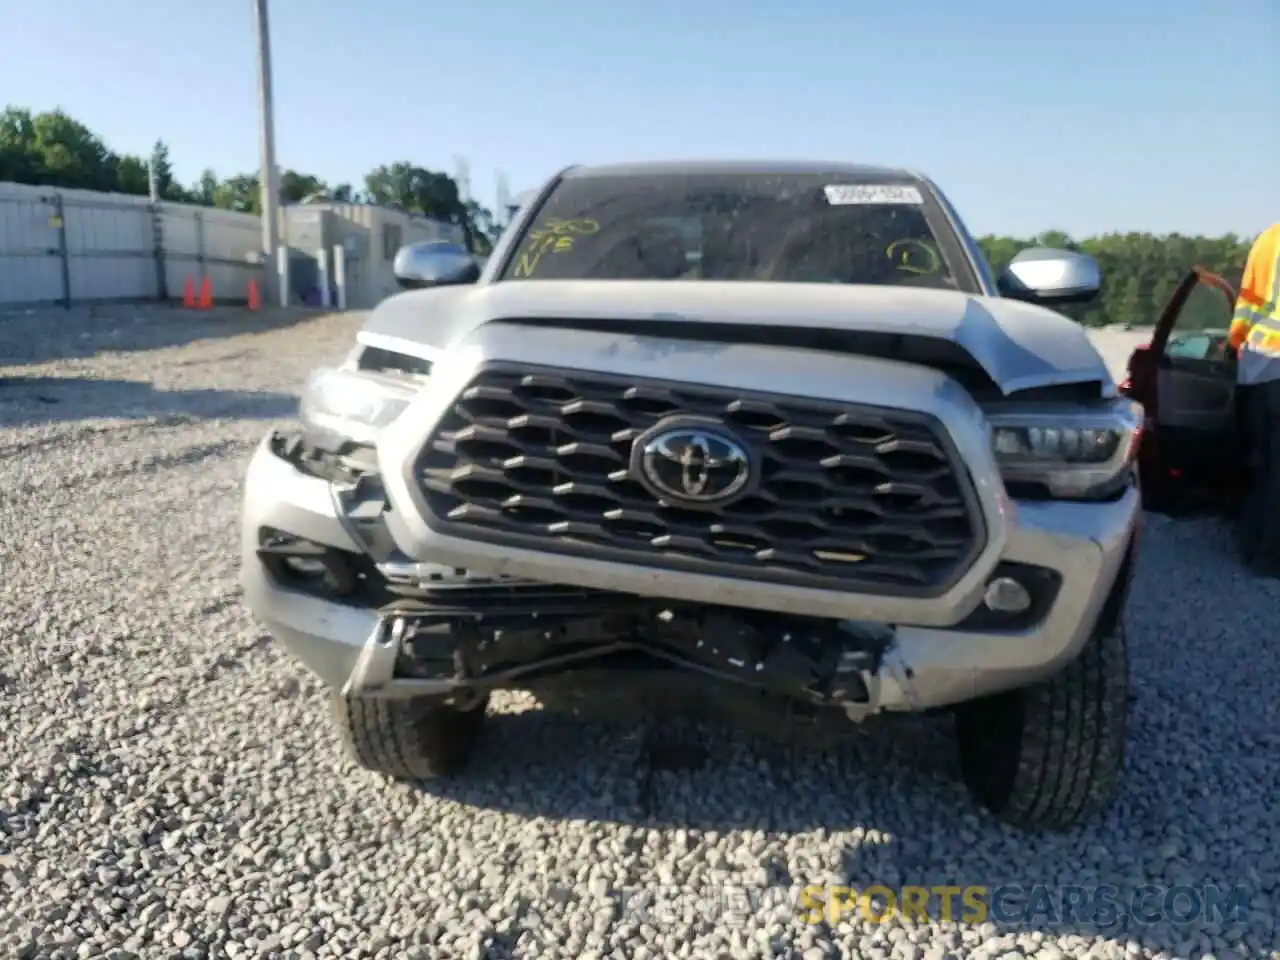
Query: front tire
{"type": "Point", "coordinates": [1050, 755]}
{"type": "Point", "coordinates": [415, 739]}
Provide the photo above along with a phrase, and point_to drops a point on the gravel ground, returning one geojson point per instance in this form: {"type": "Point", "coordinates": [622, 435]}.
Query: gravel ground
{"type": "Point", "coordinates": [172, 787]}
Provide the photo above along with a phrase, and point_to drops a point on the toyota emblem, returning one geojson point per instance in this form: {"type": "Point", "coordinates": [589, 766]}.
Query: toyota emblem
{"type": "Point", "coordinates": [693, 465]}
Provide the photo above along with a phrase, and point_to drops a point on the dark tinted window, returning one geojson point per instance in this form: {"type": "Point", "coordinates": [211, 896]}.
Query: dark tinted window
{"type": "Point", "coordinates": [809, 228]}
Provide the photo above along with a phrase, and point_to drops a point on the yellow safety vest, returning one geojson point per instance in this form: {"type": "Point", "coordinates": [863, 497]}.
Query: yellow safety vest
{"type": "Point", "coordinates": [1255, 326]}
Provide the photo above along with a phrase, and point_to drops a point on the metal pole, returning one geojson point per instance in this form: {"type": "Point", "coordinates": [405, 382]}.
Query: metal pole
{"type": "Point", "coordinates": [64, 258]}
{"type": "Point", "coordinates": [157, 230]}
{"type": "Point", "coordinates": [340, 274]}
{"type": "Point", "coordinates": [269, 174]}
{"type": "Point", "coordinates": [322, 271]}
{"type": "Point", "coordinates": [282, 279]}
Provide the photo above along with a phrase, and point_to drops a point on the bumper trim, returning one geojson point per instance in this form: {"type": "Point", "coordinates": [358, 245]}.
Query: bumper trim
{"type": "Point", "coordinates": [278, 494]}
{"type": "Point", "coordinates": [376, 665]}
{"type": "Point", "coordinates": [928, 665]}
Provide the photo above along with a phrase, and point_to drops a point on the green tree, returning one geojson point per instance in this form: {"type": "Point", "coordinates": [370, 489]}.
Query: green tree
{"type": "Point", "coordinates": [295, 187]}
{"type": "Point", "coordinates": [20, 161]}
{"type": "Point", "coordinates": [71, 154]}
{"type": "Point", "coordinates": [52, 148]}
{"type": "Point", "coordinates": [485, 227]}
{"type": "Point", "coordinates": [206, 191]}
{"type": "Point", "coordinates": [1056, 239]}
{"type": "Point", "coordinates": [240, 193]}
{"type": "Point", "coordinates": [432, 194]}
{"type": "Point", "coordinates": [1139, 270]}
{"type": "Point", "coordinates": [166, 186]}
{"type": "Point", "coordinates": [394, 184]}
{"type": "Point", "coordinates": [132, 176]}
{"type": "Point", "coordinates": [416, 189]}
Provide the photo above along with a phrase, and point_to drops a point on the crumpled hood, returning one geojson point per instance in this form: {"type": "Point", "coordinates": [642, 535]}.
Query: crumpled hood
{"type": "Point", "coordinates": [1019, 345]}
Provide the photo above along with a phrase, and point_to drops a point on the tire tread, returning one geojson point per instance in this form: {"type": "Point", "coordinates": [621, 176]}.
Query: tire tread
{"type": "Point", "coordinates": [1069, 734]}
{"type": "Point", "coordinates": [416, 739]}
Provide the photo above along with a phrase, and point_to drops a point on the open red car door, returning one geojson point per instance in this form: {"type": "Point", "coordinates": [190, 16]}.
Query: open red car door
{"type": "Point", "coordinates": [1186, 380]}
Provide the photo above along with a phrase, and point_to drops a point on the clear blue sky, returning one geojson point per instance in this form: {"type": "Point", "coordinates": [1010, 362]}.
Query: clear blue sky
{"type": "Point", "coordinates": [1090, 115]}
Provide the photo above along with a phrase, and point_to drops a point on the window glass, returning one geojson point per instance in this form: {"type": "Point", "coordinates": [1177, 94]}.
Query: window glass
{"type": "Point", "coordinates": [806, 228]}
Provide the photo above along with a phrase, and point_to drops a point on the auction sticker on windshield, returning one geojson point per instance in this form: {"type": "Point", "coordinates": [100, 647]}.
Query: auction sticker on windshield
{"type": "Point", "coordinates": [845, 194]}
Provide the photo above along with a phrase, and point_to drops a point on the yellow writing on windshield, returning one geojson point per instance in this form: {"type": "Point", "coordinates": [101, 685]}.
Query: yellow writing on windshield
{"type": "Point", "coordinates": [914, 256]}
{"type": "Point", "coordinates": [551, 236]}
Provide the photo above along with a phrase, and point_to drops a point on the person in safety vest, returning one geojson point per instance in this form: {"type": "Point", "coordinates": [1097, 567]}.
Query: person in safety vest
{"type": "Point", "coordinates": [1255, 334]}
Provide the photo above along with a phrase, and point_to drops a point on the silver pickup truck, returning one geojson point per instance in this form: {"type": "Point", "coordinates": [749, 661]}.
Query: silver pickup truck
{"type": "Point", "coordinates": [774, 425]}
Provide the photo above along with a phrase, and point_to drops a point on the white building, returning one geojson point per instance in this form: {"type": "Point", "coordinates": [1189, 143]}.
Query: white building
{"type": "Point", "coordinates": [369, 234]}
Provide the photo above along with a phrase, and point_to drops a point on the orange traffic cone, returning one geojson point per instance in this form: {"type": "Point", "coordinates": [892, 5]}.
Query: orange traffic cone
{"type": "Point", "coordinates": [206, 294]}
{"type": "Point", "coordinates": [189, 293]}
{"type": "Point", "coordinates": [255, 300]}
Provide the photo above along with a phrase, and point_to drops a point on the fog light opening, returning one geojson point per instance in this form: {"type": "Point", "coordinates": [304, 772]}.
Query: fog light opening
{"type": "Point", "coordinates": [309, 566]}
{"type": "Point", "coordinates": [1007, 595]}
{"type": "Point", "coordinates": [306, 567]}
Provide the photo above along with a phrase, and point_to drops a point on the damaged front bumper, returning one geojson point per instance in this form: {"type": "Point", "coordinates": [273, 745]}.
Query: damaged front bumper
{"type": "Point", "coordinates": [391, 627]}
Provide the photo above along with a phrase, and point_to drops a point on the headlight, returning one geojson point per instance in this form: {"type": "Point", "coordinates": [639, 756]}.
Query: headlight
{"type": "Point", "coordinates": [341, 406]}
{"type": "Point", "coordinates": [1073, 454]}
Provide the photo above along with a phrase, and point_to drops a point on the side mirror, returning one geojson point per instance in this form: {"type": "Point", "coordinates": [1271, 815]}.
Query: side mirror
{"type": "Point", "coordinates": [434, 263]}
{"type": "Point", "coordinates": [1044, 275]}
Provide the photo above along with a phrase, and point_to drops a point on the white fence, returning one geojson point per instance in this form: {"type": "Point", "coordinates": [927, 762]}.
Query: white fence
{"type": "Point", "coordinates": [74, 246]}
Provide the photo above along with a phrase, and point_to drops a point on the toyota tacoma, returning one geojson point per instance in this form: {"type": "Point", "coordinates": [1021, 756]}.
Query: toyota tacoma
{"type": "Point", "coordinates": [775, 425]}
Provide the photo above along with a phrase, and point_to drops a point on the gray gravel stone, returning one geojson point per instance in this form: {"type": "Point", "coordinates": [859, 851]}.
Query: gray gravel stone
{"type": "Point", "coordinates": [172, 786]}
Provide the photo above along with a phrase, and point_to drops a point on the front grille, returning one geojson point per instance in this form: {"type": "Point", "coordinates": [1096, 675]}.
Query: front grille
{"type": "Point", "coordinates": [846, 496]}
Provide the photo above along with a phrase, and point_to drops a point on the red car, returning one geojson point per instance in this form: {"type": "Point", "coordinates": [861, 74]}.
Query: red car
{"type": "Point", "coordinates": [1192, 453]}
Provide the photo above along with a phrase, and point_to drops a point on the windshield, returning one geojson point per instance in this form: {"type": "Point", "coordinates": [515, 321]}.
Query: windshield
{"type": "Point", "coordinates": [810, 228]}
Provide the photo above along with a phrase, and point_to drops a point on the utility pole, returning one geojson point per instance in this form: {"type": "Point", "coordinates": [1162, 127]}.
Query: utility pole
{"type": "Point", "coordinates": [269, 174]}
